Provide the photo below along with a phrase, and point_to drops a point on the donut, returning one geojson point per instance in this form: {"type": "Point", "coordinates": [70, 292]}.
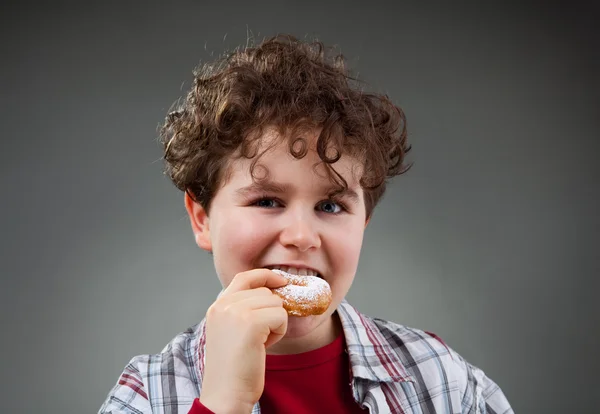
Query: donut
{"type": "Point", "coordinates": [304, 295]}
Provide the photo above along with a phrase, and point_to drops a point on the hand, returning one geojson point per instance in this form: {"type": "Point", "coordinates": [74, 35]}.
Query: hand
{"type": "Point", "coordinates": [240, 325]}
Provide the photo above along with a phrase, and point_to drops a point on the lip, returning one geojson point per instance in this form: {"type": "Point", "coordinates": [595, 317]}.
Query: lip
{"type": "Point", "coordinates": [297, 266]}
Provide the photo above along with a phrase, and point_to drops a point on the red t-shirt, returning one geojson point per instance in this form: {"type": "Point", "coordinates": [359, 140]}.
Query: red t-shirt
{"type": "Point", "coordinates": [312, 382]}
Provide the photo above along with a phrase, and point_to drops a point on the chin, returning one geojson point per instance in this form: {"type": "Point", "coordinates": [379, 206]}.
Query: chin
{"type": "Point", "coordinates": [299, 326]}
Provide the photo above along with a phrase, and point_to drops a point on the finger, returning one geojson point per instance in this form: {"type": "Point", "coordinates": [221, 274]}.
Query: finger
{"type": "Point", "coordinates": [276, 319]}
{"type": "Point", "coordinates": [256, 278]}
{"type": "Point", "coordinates": [258, 302]}
{"type": "Point", "coordinates": [232, 297]}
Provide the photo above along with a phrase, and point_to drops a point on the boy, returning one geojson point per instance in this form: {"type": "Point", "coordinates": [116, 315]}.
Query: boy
{"type": "Point", "coordinates": [282, 161]}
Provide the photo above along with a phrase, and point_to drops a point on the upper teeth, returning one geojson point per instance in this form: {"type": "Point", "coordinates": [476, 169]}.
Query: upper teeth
{"type": "Point", "coordinates": [295, 270]}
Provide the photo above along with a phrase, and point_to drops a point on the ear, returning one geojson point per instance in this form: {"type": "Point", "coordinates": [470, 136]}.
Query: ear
{"type": "Point", "coordinates": [367, 222]}
{"type": "Point", "coordinates": [200, 223]}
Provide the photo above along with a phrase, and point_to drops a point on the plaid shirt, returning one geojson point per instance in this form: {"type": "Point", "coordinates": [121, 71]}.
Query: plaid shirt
{"type": "Point", "coordinates": [394, 369]}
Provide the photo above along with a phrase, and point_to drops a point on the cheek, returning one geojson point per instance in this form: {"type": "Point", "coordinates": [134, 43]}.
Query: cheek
{"type": "Point", "coordinates": [241, 238]}
{"type": "Point", "coordinates": [346, 245]}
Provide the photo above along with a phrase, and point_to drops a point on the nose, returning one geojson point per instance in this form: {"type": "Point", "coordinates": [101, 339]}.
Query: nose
{"type": "Point", "coordinates": [301, 232]}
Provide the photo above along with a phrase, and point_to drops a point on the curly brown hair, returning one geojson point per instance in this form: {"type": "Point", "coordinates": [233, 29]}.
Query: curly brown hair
{"type": "Point", "coordinates": [291, 85]}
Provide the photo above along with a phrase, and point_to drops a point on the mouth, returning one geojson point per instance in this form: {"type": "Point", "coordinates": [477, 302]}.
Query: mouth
{"type": "Point", "coordinates": [296, 270]}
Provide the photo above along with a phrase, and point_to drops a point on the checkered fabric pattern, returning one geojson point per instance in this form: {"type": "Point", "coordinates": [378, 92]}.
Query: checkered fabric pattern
{"type": "Point", "coordinates": [394, 369]}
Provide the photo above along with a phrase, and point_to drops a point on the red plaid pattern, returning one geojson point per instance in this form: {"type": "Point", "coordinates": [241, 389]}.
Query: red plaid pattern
{"type": "Point", "coordinates": [394, 369]}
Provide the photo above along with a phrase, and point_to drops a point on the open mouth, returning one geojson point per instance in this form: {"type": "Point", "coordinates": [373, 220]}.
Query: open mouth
{"type": "Point", "coordinates": [300, 271]}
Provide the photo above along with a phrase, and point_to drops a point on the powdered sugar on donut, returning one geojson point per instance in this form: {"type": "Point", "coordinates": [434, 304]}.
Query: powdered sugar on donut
{"type": "Point", "coordinates": [304, 295]}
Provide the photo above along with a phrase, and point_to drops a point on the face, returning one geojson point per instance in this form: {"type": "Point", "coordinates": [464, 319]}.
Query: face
{"type": "Point", "coordinates": [291, 220]}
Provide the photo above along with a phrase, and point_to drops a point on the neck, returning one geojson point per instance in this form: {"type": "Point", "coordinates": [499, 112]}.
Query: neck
{"type": "Point", "coordinates": [322, 335]}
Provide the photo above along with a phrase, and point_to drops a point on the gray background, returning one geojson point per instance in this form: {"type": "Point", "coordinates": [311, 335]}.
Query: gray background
{"type": "Point", "coordinates": [490, 241]}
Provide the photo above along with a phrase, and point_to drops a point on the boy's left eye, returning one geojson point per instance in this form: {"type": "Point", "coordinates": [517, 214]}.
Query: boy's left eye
{"type": "Point", "coordinates": [331, 207]}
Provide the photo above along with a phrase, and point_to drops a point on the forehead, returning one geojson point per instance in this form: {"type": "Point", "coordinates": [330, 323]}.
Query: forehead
{"type": "Point", "coordinates": [275, 153]}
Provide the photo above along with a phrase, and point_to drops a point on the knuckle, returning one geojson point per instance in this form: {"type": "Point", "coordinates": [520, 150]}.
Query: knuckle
{"type": "Point", "coordinates": [219, 309]}
{"type": "Point", "coordinates": [239, 277]}
{"type": "Point", "coordinates": [231, 310]}
{"type": "Point", "coordinates": [211, 311]}
{"type": "Point", "coordinates": [264, 291]}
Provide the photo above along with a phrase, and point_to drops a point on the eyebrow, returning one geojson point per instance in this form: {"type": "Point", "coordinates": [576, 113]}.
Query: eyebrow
{"type": "Point", "coordinates": [279, 188]}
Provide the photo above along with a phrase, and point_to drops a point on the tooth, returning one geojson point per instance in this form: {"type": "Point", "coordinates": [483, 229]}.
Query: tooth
{"type": "Point", "coordinates": [282, 268]}
{"type": "Point", "coordinates": [295, 270]}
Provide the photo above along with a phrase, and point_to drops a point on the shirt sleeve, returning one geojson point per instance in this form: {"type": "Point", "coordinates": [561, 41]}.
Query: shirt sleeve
{"type": "Point", "coordinates": [129, 395]}
{"type": "Point", "coordinates": [481, 395]}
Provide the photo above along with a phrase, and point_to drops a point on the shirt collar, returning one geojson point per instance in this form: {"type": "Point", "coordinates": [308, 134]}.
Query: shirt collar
{"type": "Point", "coordinates": [198, 348]}
{"type": "Point", "coordinates": [371, 356]}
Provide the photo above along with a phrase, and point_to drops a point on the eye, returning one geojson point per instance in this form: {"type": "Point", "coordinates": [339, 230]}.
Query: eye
{"type": "Point", "coordinates": [331, 207]}
{"type": "Point", "coordinates": [266, 202]}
